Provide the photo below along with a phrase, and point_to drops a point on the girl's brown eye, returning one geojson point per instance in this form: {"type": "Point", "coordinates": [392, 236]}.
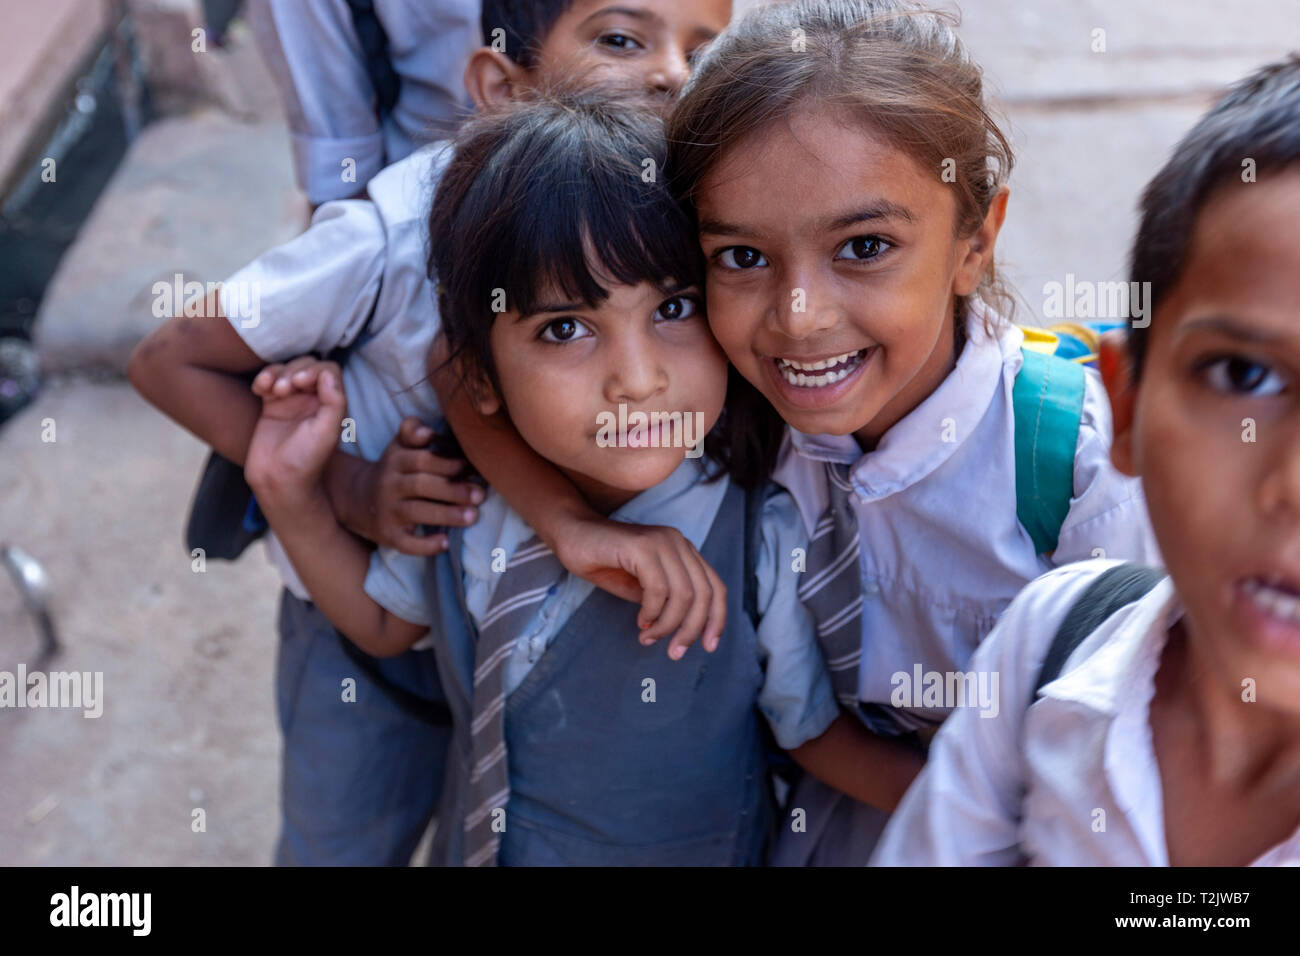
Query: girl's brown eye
{"type": "Point", "coordinates": [559, 331]}
{"type": "Point", "coordinates": [740, 257]}
{"type": "Point", "coordinates": [677, 308]}
{"type": "Point", "coordinates": [863, 247]}
{"type": "Point", "coordinates": [619, 41]}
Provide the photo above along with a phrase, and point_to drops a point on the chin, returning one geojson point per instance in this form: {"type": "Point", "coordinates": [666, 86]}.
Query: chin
{"type": "Point", "coordinates": [634, 475]}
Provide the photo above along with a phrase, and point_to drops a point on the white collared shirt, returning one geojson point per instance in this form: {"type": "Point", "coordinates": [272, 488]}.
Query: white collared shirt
{"type": "Point", "coordinates": [357, 275]}
{"type": "Point", "coordinates": [312, 49]}
{"type": "Point", "coordinates": [1038, 784]}
{"type": "Point", "coordinates": [942, 550]}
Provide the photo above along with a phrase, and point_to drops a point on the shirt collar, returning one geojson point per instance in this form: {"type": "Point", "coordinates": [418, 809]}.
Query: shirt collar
{"type": "Point", "coordinates": [917, 445]}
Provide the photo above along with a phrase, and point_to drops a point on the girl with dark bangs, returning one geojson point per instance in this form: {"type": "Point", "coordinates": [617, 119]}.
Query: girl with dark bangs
{"type": "Point", "coordinates": [571, 299]}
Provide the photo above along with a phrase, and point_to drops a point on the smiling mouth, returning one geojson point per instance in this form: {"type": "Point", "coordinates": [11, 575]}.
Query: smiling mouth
{"type": "Point", "coordinates": [820, 373]}
{"type": "Point", "coordinates": [1274, 597]}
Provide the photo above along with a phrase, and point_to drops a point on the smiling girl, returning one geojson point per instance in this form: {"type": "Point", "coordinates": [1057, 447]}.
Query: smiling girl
{"type": "Point", "coordinates": [849, 188]}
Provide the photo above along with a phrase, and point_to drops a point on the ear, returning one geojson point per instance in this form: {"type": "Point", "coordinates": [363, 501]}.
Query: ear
{"type": "Point", "coordinates": [979, 247]}
{"type": "Point", "coordinates": [483, 395]}
{"type": "Point", "coordinates": [450, 379]}
{"type": "Point", "coordinates": [1116, 366]}
{"type": "Point", "coordinates": [493, 78]}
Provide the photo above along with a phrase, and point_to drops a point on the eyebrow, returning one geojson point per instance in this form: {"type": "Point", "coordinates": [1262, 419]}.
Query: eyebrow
{"type": "Point", "coordinates": [647, 16]}
{"type": "Point", "coordinates": [549, 308]}
{"type": "Point", "coordinates": [1230, 327]}
{"type": "Point", "coordinates": [877, 210]}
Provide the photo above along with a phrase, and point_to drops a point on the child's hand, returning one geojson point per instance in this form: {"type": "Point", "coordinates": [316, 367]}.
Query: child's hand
{"type": "Point", "coordinates": [412, 486]}
{"type": "Point", "coordinates": [655, 567]}
{"type": "Point", "coordinates": [303, 407]}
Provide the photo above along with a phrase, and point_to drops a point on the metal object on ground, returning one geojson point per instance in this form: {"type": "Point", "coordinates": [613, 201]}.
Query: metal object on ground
{"type": "Point", "coordinates": [34, 586]}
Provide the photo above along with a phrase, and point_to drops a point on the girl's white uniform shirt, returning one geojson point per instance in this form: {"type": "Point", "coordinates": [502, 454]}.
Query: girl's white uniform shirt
{"type": "Point", "coordinates": [942, 551]}
{"type": "Point", "coordinates": [312, 49]}
{"type": "Point", "coordinates": [1072, 780]}
{"type": "Point", "coordinates": [357, 276]}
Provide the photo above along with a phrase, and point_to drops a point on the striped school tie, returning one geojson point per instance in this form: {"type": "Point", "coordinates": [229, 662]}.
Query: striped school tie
{"type": "Point", "coordinates": [832, 587]}
{"type": "Point", "coordinates": [525, 584]}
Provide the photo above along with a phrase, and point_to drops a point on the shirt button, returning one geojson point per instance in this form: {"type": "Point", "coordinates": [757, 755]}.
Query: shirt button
{"type": "Point", "coordinates": [870, 588]}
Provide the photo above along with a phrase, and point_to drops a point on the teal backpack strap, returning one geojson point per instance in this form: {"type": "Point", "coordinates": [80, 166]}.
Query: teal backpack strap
{"type": "Point", "coordinates": [1048, 403]}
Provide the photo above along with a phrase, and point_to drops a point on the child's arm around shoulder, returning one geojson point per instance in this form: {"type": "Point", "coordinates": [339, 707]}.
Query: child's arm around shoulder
{"type": "Point", "coordinates": [657, 567]}
{"type": "Point", "coordinates": [965, 807]}
{"type": "Point", "coordinates": [287, 456]}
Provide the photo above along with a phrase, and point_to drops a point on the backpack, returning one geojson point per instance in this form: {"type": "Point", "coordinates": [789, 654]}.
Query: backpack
{"type": "Point", "coordinates": [1113, 589]}
{"type": "Point", "coordinates": [1047, 405]}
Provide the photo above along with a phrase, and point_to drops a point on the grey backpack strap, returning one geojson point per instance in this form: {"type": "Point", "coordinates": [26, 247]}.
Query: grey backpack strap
{"type": "Point", "coordinates": [1113, 589]}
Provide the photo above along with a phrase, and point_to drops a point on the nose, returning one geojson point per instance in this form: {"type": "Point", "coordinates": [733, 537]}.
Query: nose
{"type": "Point", "coordinates": [1279, 491]}
{"type": "Point", "coordinates": [803, 306]}
{"type": "Point", "coordinates": [669, 71]}
{"type": "Point", "coordinates": [637, 372]}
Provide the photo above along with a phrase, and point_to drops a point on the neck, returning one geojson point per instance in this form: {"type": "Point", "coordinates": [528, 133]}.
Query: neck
{"type": "Point", "coordinates": [1243, 742]}
{"type": "Point", "coordinates": [603, 498]}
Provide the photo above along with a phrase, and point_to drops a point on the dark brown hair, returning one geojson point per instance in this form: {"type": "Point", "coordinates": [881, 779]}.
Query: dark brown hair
{"type": "Point", "coordinates": [525, 24]}
{"type": "Point", "coordinates": [536, 188]}
{"type": "Point", "coordinates": [897, 68]}
{"type": "Point", "coordinates": [1258, 119]}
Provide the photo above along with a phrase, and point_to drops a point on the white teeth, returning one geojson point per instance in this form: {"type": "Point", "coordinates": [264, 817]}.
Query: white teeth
{"type": "Point", "coordinates": [818, 366]}
{"type": "Point", "coordinates": [814, 381]}
{"type": "Point", "coordinates": [1273, 601]}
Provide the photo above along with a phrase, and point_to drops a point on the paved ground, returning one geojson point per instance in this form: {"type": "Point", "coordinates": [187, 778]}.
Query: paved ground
{"type": "Point", "coordinates": [187, 657]}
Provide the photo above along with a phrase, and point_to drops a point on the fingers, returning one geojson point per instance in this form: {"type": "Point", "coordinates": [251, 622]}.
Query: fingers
{"type": "Point", "coordinates": [680, 600]}
{"type": "Point", "coordinates": [409, 461]}
{"type": "Point", "coordinates": [439, 489]}
{"type": "Point", "coordinates": [299, 375]}
{"type": "Point", "coordinates": [328, 381]}
{"type": "Point", "coordinates": [413, 433]}
{"type": "Point", "coordinates": [280, 379]}
{"type": "Point", "coordinates": [412, 512]}
{"type": "Point", "coordinates": [654, 595]}
{"type": "Point", "coordinates": [708, 613]}
{"type": "Point", "coordinates": [717, 610]}
{"type": "Point", "coordinates": [266, 378]}
{"type": "Point", "coordinates": [419, 547]}
{"type": "Point", "coordinates": [683, 596]}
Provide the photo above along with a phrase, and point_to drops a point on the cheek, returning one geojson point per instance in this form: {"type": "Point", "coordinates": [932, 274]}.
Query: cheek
{"type": "Point", "coordinates": [1196, 478]}
{"type": "Point", "coordinates": [534, 393]}
{"type": "Point", "coordinates": [732, 320]}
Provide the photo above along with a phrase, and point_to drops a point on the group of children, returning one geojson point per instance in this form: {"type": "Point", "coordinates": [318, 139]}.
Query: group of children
{"type": "Point", "coordinates": [835, 467]}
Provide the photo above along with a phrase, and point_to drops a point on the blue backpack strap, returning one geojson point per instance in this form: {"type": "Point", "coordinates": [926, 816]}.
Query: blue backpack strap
{"type": "Point", "coordinates": [1047, 401]}
{"type": "Point", "coordinates": [1112, 590]}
